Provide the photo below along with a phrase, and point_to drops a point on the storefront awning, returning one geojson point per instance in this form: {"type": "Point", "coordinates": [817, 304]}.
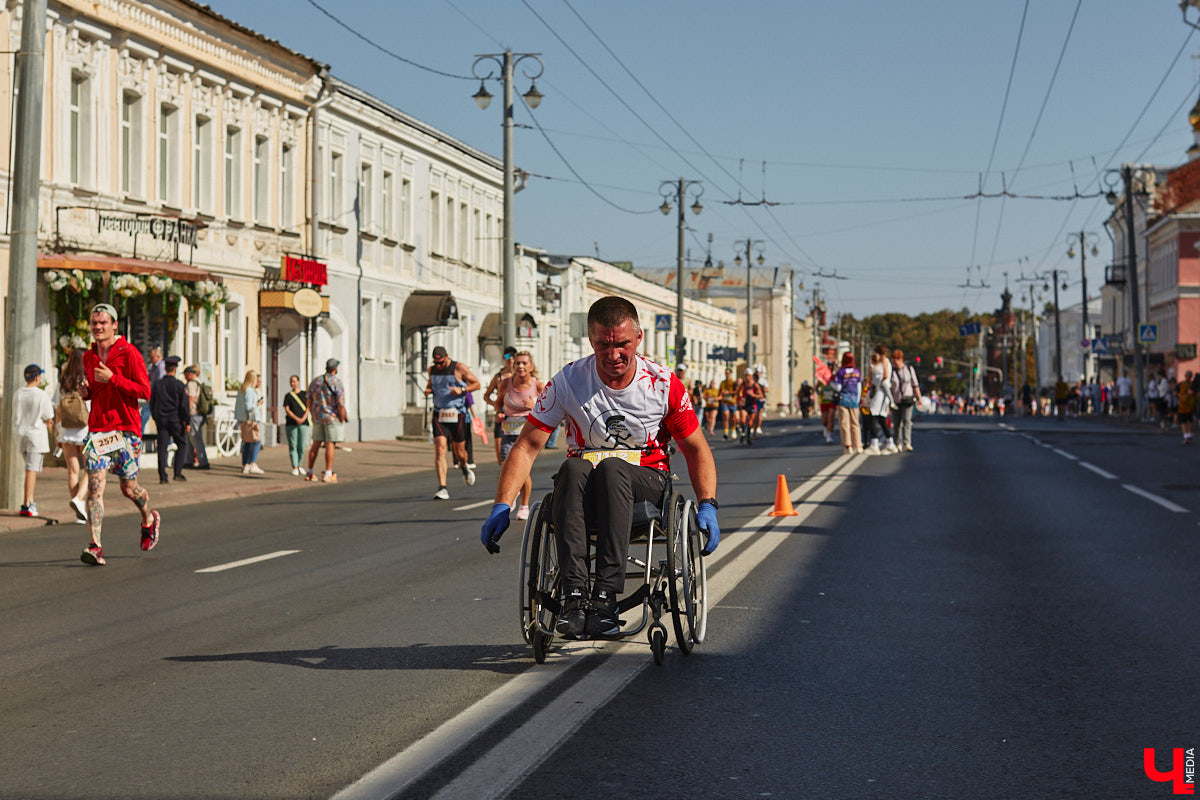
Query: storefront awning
{"type": "Point", "coordinates": [429, 309]}
{"type": "Point", "coordinates": [174, 270]}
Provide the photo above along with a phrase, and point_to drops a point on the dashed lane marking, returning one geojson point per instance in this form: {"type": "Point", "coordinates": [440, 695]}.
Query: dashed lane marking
{"type": "Point", "coordinates": [1153, 498]}
{"type": "Point", "coordinates": [480, 504]}
{"type": "Point", "coordinates": [246, 561]}
{"type": "Point", "coordinates": [1065, 454]}
{"type": "Point", "coordinates": [1102, 473]}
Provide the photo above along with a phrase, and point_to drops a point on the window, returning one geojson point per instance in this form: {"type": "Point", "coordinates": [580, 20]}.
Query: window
{"type": "Point", "coordinates": [435, 222]}
{"type": "Point", "coordinates": [405, 210]}
{"type": "Point", "coordinates": [131, 143]}
{"type": "Point", "coordinates": [286, 189]}
{"type": "Point", "coordinates": [389, 205]}
{"type": "Point", "coordinates": [365, 190]}
{"type": "Point", "coordinates": [81, 130]}
{"type": "Point", "coordinates": [388, 331]}
{"type": "Point", "coordinates": [168, 155]}
{"type": "Point", "coordinates": [451, 241]}
{"type": "Point", "coordinates": [366, 319]}
{"type": "Point", "coordinates": [233, 172]}
{"type": "Point", "coordinates": [231, 326]}
{"type": "Point", "coordinates": [262, 165]}
{"type": "Point", "coordinates": [464, 252]}
{"type": "Point", "coordinates": [335, 188]}
{"type": "Point", "coordinates": [202, 176]}
{"type": "Point", "coordinates": [477, 250]}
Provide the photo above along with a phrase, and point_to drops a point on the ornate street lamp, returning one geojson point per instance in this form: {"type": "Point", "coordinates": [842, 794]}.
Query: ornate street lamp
{"type": "Point", "coordinates": [680, 189]}
{"type": "Point", "coordinates": [749, 248]}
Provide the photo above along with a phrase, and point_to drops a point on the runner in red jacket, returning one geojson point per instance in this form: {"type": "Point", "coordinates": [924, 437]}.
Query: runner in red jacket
{"type": "Point", "coordinates": [115, 379]}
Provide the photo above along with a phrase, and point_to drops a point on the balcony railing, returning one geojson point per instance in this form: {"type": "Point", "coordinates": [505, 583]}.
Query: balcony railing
{"type": "Point", "coordinates": [1114, 275]}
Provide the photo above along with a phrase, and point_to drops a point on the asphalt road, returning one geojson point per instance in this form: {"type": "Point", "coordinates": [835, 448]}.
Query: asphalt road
{"type": "Point", "coordinates": [994, 615]}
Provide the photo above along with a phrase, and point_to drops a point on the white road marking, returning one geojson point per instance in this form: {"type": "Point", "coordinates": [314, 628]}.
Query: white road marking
{"type": "Point", "coordinates": [1098, 471]}
{"type": "Point", "coordinates": [1153, 498]}
{"type": "Point", "coordinates": [510, 760]}
{"type": "Point", "coordinates": [245, 561]}
{"type": "Point", "coordinates": [480, 504]}
{"type": "Point", "coordinates": [1065, 454]}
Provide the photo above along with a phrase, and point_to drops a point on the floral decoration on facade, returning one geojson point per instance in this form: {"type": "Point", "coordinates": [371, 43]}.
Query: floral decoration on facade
{"type": "Point", "coordinates": [74, 292]}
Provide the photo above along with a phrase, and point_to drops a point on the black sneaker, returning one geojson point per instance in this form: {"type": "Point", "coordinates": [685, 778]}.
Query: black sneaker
{"type": "Point", "coordinates": [602, 621]}
{"type": "Point", "coordinates": [573, 619]}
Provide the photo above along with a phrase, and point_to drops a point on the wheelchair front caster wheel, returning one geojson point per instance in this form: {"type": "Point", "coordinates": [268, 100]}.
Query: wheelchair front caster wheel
{"type": "Point", "coordinates": [658, 644]}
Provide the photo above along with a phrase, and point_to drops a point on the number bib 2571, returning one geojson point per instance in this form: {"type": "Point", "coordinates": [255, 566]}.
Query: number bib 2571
{"type": "Point", "coordinates": [108, 442]}
{"type": "Point", "coordinates": [596, 456]}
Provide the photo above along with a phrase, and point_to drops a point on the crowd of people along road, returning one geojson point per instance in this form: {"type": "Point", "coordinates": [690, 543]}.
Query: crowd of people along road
{"type": "Point", "coordinates": [869, 410]}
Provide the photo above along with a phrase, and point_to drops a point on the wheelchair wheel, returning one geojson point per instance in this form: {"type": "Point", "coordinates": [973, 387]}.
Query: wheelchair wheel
{"type": "Point", "coordinates": [688, 585]}
{"type": "Point", "coordinates": [658, 643]}
{"type": "Point", "coordinates": [538, 581]}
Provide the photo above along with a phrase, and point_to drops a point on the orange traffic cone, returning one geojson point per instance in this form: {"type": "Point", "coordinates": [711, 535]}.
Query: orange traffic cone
{"type": "Point", "coordinates": [783, 501]}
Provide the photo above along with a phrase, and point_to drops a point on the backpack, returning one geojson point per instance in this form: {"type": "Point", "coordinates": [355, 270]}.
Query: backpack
{"type": "Point", "coordinates": [72, 412]}
{"type": "Point", "coordinates": [205, 401]}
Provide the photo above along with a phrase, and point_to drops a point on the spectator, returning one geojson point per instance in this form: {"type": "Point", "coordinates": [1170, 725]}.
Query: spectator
{"type": "Point", "coordinates": [71, 416]}
{"type": "Point", "coordinates": [295, 409]}
{"type": "Point", "coordinates": [327, 404]}
{"type": "Point", "coordinates": [169, 405]}
{"type": "Point", "coordinates": [906, 390]}
{"type": "Point", "coordinates": [33, 416]}
{"type": "Point", "coordinates": [1186, 406]}
{"type": "Point", "coordinates": [246, 412]}
{"type": "Point", "coordinates": [881, 403]}
{"type": "Point", "coordinates": [847, 383]}
{"type": "Point", "coordinates": [200, 401]}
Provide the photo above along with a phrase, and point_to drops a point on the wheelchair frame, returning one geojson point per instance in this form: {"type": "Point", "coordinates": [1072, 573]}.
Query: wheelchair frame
{"type": "Point", "coordinates": [664, 555]}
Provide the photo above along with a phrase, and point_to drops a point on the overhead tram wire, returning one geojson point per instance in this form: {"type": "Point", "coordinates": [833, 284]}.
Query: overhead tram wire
{"type": "Point", "coordinates": [383, 49]}
{"type": "Point", "coordinates": [499, 44]}
{"type": "Point", "coordinates": [1033, 133]}
{"type": "Point", "coordinates": [999, 127]}
{"type": "Point", "coordinates": [1100, 170]}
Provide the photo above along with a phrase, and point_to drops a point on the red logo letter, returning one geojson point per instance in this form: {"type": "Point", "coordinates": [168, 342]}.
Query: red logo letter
{"type": "Point", "coordinates": [1176, 775]}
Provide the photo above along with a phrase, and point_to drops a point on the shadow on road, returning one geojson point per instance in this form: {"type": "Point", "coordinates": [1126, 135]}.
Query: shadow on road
{"type": "Point", "coordinates": [495, 658]}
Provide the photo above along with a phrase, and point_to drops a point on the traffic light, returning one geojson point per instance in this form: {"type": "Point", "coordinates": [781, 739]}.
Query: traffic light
{"type": "Point", "coordinates": [938, 362]}
{"type": "Point", "coordinates": [975, 369]}
{"type": "Point", "coordinates": [682, 354]}
{"type": "Point", "coordinates": [918, 361]}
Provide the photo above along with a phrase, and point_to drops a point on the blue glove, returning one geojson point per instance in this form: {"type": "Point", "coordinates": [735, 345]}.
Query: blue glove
{"type": "Point", "coordinates": [494, 527]}
{"type": "Point", "coordinates": [706, 515]}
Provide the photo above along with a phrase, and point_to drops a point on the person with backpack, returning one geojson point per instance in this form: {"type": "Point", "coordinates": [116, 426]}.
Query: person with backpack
{"type": "Point", "coordinates": [906, 392]}
{"type": "Point", "coordinates": [847, 383]}
{"type": "Point", "coordinates": [200, 404]}
{"type": "Point", "coordinates": [71, 422]}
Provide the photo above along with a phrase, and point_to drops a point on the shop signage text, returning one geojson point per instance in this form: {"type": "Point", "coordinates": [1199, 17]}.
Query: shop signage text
{"type": "Point", "coordinates": [165, 229]}
{"type": "Point", "coordinates": [304, 270]}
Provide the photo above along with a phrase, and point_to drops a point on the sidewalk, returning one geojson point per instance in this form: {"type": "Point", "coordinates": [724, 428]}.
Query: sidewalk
{"type": "Point", "coordinates": [355, 461]}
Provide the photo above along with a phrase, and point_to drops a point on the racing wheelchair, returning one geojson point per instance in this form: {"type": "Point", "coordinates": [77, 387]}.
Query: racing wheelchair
{"type": "Point", "coordinates": [664, 574]}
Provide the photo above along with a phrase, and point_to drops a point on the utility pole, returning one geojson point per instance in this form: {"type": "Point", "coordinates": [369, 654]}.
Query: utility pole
{"type": "Point", "coordinates": [1057, 335]}
{"type": "Point", "coordinates": [1139, 369]}
{"type": "Point", "coordinates": [22, 266]}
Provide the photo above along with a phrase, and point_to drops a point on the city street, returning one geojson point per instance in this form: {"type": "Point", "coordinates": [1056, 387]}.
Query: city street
{"type": "Point", "coordinates": [1007, 612]}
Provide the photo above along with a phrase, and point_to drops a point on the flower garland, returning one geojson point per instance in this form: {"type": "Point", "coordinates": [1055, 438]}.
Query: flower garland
{"type": "Point", "coordinates": [72, 297]}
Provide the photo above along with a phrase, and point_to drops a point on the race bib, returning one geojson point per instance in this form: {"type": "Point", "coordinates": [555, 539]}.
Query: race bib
{"type": "Point", "coordinates": [596, 456]}
{"type": "Point", "coordinates": [447, 415]}
{"type": "Point", "coordinates": [512, 426]}
{"type": "Point", "coordinates": [105, 443]}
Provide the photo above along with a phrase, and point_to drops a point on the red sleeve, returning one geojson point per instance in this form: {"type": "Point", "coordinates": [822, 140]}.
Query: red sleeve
{"type": "Point", "coordinates": [680, 420]}
{"type": "Point", "coordinates": [137, 384]}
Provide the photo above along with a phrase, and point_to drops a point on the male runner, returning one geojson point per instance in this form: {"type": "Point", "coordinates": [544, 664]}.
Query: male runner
{"type": "Point", "coordinates": [115, 379]}
{"type": "Point", "coordinates": [449, 381]}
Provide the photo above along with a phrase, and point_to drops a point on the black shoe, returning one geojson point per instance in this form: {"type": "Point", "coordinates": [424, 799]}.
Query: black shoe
{"type": "Point", "coordinates": [573, 619]}
{"type": "Point", "coordinates": [163, 480]}
{"type": "Point", "coordinates": [181, 477]}
{"type": "Point", "coordinates": [602, 621]}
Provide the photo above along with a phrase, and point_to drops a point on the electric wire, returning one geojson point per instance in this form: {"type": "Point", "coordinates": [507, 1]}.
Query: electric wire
{"type": "Point", "coordinates": [383, 49]}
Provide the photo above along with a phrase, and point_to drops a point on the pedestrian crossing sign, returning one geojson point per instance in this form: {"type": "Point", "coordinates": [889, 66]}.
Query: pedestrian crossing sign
{"type": "Point", "coordinates": [1147, 333]}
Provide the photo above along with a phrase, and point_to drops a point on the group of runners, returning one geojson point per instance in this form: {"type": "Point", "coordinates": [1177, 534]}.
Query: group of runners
{"type": "Point", "coordinates": [740, 405]}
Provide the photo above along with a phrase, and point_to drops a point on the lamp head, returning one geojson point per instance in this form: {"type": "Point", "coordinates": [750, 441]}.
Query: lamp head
{"type": "Point", "coordinates": [483, 97]}
{"type": "Point", "coordinates": [1111, 197]}
{"type": "Point", "coordinates": [696, 207]}
{"type": "Point", "coordinates": [1071, 252]}
{"type": "Point", "coordinates": [665, 208]}
{"type": "Point", "coordinates": [533, 98]}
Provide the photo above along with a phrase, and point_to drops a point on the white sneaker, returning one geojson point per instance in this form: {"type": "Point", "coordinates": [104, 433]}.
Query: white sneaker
{"type": "Point", "coordinates": [441, 494]}
{"type": "Point", "coordinates": [523, 512]}
{"type": "Point", "coordinates": [468, 475]}
{"type": "Point", "coordinates": [891, 447]}
{"type": "Point", "coordinates": [246, 469]}
{"type": "Point", "coordinates": [874, 450]}
{"type": "Point", "coordinates": [255, 469]}
{"type": "Point", "coordinates": [908, 448]}
{"type": "Point", "coordinates": [80, 512]}
{"type": "Point", "coordinates": [295, 470]}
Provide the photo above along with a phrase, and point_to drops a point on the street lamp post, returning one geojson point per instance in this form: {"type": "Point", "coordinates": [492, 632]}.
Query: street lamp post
{"type": "Point", "coordinates": [1085, 239]}
{"type": "Point", "coordinates": [507, 61]}
{"type": "Point", "coordinates": [751, 245]}
{"type": "Point", "coordinates": [680, 189]}
{"type": "Point", "coordinates": [1128, 173]}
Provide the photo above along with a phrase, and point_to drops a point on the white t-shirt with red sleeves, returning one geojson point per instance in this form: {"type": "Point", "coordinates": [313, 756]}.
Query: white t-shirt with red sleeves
{"type": "Point", "coordinates": [644, 415]}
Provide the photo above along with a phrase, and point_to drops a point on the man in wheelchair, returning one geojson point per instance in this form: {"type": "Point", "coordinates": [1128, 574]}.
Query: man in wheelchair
{"type": "Point", "coordinates": [621, 411]}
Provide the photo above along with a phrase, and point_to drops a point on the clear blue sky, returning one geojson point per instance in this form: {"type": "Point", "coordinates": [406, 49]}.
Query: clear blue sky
{"type": "Point", "coordinates": [864, 113]}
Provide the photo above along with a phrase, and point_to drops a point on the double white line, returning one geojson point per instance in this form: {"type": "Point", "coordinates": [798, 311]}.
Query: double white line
{"type": "Point", "coordinates": [510, 760]}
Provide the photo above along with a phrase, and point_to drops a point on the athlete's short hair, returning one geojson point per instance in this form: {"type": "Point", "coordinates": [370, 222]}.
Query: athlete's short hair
{"type": "Point", "coordinates": [611, 311]}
